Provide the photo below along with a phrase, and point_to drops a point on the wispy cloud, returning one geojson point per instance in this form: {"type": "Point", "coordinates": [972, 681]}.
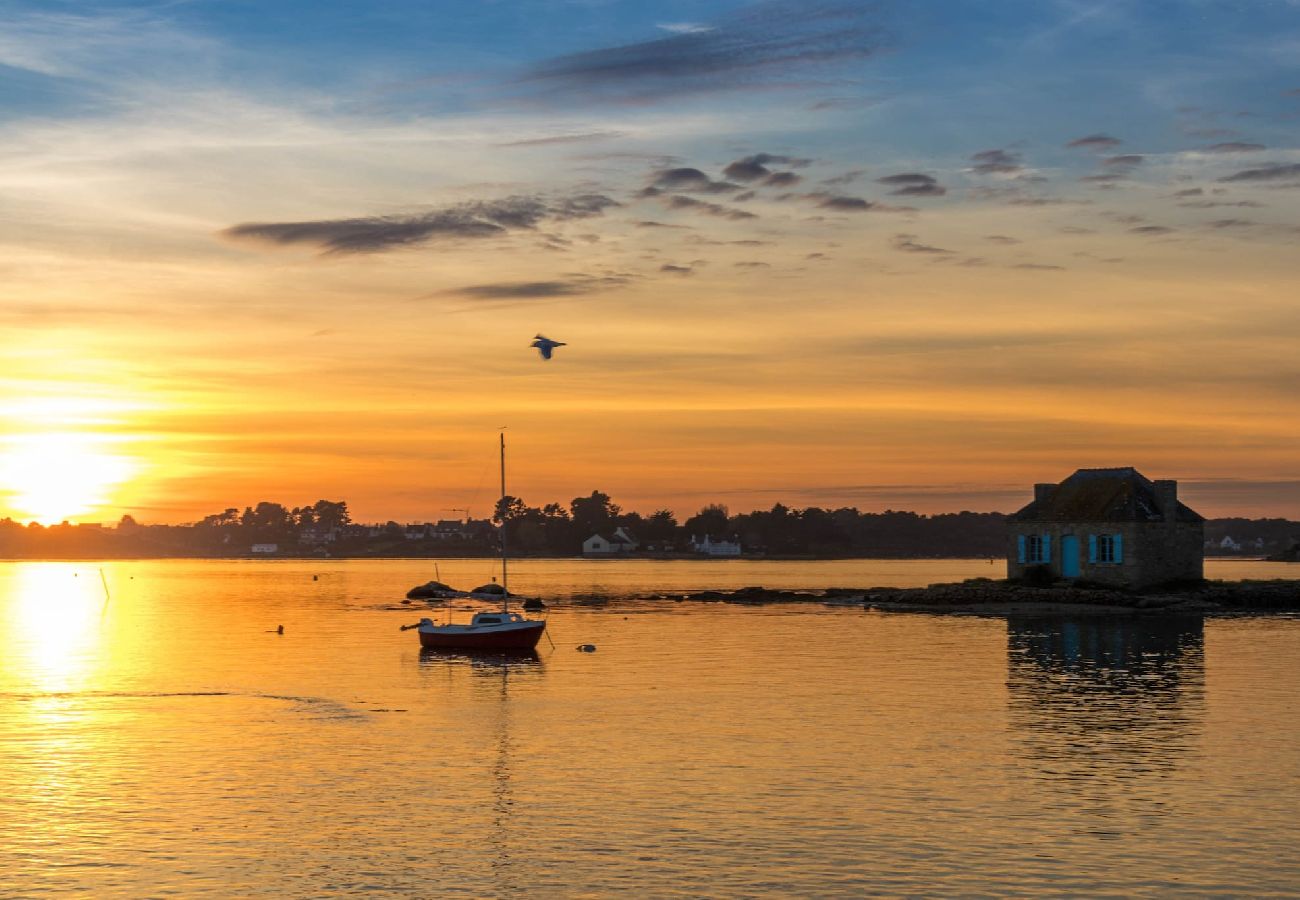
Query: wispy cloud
{"type": "Point", "coordinates": [908, 243]}
{"type": "Point", "coordinates": [913, 184]}
{"type": "Point", "coordinates": [538, 290]}
{"type": "Point", "coordinates": [1233, 147]}
{"type": "Point", "coordinates": [478, 219]}
{"type": "Point", "coordinates": [762, 46]}
{"type": "Point", "coordinates": [1268, 172]}
{"type": "Point", "coordinates": [997, 162]}
{"type": "Point", "coordinates": [580, 138]}
{"type": "Point", "coordinates": [1095, 142]}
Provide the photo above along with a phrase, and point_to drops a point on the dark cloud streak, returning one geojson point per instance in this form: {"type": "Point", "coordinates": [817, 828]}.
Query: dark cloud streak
{"type": "Point", "coordinates": [476, 219]}
{"type": "Point", "coordinates": [762, 46]}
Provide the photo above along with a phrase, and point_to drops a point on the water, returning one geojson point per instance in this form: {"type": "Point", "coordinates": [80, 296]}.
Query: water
{"type": "Point", "coordinates": [168, 742]}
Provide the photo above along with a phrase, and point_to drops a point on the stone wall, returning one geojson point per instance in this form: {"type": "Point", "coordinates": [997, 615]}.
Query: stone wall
{"type": "Point", "coordinates": [1153, 552]}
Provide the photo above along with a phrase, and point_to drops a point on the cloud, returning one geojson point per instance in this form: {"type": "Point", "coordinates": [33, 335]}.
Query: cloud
{"type": "Point", "coordinates": [914, 184]}
{"type": "Point", "coordinates": [750, 264]}
{"type": "Point", "coordinates": [746, 170]}
{"type": "Point", "coordinates": [843, 204]}
{"type": "Point", "coordinates": [535, 290]}
{"type": "Point", "coordinates": [762, 46]}
{"type": "Point", "coordinates": [680, 201]}
{"type": "Point", "coordinates": [1268, 172]}
{"type": "Point", "coordinates": [1151, 230]}
{"type": "Point", "coordinates": [1233, 147]}
{"type": "Point", "coordinates": [684, 27]}
{"type": "Point", "coordinates": [685, 178]}
{"type": "Point", "coordinates": [920, 190]}
{"type": "Point", "coordinates": [1001, 239]}
{"type": "Point", "coordinates": [752, 168]}
{"type": "Point", "coordinates": [1095, 142]}
{"type": "Point", "coordinates": [1125, 161]}
{"type": "Point", "coordinates": [845, 178]}
{"type": "Point", "coordinates": [997, 162]}
{"type": "Point", "coordinates": [907, 243]}
{"type": "Point", "coordinates": [1040, 267]}
{"type": "Point", "coordinates": [1231, 223]}
{"type": "Point", "coordinates": [845, 103]}
{"type": "Point", "coordinates": [782, 179]}
{"type": "Point", "coordinates": [475, 219]}
{"type": "Point", "coordinates": [566, 139]}
{"type": "Point", "coordinates": [519, 289]}
{"type": "Point", "coordinates": [676, 270]}
{"type": "Point", "coordinates": [1215, 204]}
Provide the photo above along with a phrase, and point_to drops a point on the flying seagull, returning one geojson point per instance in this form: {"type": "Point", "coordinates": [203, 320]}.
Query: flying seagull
{"type": "Point", "coordinates": [545, 345]}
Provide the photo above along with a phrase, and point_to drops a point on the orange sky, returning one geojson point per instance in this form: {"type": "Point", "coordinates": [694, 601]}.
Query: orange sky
{"type": "Point", "coordinates": [937, 351]}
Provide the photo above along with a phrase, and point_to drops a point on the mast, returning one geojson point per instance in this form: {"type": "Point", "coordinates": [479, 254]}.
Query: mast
{"type": "Point", "coordinates": [505, 581]}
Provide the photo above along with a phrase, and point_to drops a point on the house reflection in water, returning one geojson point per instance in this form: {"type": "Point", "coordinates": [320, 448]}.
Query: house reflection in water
{"type": "Point", "coordinates": [1103, 707]}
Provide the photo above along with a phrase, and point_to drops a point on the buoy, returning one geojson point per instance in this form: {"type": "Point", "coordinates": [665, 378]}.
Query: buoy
{"type": "Point", "coordinates": [315, 578]}
{"type": "Point", "coordinates": [280, 630]}
{"type": "Point", "coordinates": [586, 648]}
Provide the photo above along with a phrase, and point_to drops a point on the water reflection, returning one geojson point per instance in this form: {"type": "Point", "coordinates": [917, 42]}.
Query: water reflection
{"type": "Point", "coordinates": [494, 681]}
{"type": "Point", "coordinates": [1105, 707]}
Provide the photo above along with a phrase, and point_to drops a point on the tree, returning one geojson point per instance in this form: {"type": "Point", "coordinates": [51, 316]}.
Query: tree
{"type": "Point", "coordinates": [330, 514]}
{"type": "Point", "coordinates": [712, 520]}
{"type": "Point", "coordinates": [593, 514]}
{"type": "Point", "coordinates": [660, 527]}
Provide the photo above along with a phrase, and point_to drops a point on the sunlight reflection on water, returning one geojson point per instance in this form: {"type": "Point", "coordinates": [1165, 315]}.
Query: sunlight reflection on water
{"type": "Point", "coordinates": [172, 741]}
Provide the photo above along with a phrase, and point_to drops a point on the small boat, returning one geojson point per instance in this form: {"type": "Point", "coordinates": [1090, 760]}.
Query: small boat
{"type": "Point", "coordinates": [487, 632]}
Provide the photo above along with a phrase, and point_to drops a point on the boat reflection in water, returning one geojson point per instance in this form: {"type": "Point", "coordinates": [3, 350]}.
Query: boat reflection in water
{"type": "Point", "coordinates": [494, 682]}
{"type": "Point", "coordinates": [1106, 707]}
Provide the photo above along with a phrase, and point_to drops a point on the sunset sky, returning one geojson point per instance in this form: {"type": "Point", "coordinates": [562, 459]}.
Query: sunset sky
{"type": "Point", "coordinates": [888, 255]}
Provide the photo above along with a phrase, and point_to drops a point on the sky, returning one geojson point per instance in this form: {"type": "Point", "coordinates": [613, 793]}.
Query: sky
{"type": "Point", "coordinates": [874, 254]}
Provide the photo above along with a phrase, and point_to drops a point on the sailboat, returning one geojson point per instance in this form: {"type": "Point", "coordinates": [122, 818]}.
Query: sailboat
{"type": "Point", "coordinates": [487, 632]}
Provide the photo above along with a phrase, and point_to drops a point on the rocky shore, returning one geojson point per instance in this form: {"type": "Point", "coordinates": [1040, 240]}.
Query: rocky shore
{"type": "Point", "coordinates": [984, 596]}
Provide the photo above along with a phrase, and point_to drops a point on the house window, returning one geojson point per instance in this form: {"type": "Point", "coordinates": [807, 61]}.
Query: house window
{"type": "Point", "coordinates": [1106, 548]}
{"type": "Point", "coordinates": [1034, 549]}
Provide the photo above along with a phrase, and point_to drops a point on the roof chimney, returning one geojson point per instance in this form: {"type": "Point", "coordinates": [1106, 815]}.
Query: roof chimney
{"type": "Point", "coordinates": [1167, 498]}
{"type": "Point", "coordinates": [1043, 492]}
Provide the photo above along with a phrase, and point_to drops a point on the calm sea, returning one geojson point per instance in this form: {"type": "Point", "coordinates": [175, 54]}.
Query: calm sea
{"type": "Point", "coordinates": [160, 739]}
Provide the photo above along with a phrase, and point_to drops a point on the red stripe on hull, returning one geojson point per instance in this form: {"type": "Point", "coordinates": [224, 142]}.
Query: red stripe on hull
{"type": "Point", "coordinates": [514, 640]}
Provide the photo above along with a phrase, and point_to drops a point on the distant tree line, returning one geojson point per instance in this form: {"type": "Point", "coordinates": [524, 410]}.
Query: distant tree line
{"type": "Point", "coordinates": [326, 528]}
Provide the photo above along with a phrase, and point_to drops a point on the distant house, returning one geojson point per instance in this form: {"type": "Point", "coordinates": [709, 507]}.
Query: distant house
{"type": "Point", "coordinates": [619, 542]}
{"type": "Point", "coordinates": [315, 535]}
{"type": "Point", "coordinates": [264, 549]}
{"type": "Point", "coordinates": [597, 545]}
{"type": "Point", "coordinates": [1229, 544]}
{"type": "Point", "coordinates": [1112, 526]}
{"type": "Point", "coordinates": [710, 547]}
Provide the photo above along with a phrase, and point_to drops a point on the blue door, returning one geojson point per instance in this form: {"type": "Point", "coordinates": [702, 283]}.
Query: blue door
{"type": "Point", "coordinates": [1070, 556]}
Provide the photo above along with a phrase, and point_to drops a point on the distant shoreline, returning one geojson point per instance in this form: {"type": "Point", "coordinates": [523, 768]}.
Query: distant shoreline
{"type": "Point", "coordinates": [660, 557]}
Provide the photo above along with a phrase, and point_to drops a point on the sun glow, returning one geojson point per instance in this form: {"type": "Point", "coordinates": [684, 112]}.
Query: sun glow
{"type": "Point", "coordinates": [53, 476]}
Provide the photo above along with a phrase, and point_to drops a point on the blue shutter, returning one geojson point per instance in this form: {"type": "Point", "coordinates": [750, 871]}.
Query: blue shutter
{"type": "Point", "coordinates": [1092, 548]}
{"type": "Point", "coordinates": [1020, 548]}
{"type": "Point", "coordinates": [1047, 548]}
{"type": "Point", "coordinates": [1119, 548]}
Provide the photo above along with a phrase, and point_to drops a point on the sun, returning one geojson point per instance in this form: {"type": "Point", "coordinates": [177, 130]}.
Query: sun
{"type": "Point", "coordinates": [52, 476]}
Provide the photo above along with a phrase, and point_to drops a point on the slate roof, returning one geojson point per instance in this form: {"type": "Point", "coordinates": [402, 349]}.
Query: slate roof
{"type": "Point", "coordinates": [1102, 495]}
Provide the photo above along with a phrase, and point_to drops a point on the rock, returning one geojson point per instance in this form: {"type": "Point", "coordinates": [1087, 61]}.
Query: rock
{"type": "Point", "coordinates": [430, 590]}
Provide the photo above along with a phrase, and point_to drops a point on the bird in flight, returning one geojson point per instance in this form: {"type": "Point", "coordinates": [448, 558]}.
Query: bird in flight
{"type": "Point", "coordinates": [545, 345]}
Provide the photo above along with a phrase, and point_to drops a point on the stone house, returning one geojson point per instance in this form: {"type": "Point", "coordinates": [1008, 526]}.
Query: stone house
{"type": "Point", "coordinates": [1111, 526]}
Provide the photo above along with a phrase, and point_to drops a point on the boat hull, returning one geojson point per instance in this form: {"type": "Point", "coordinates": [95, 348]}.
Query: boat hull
{"type": "Point", "coordinates": [513, 637]}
